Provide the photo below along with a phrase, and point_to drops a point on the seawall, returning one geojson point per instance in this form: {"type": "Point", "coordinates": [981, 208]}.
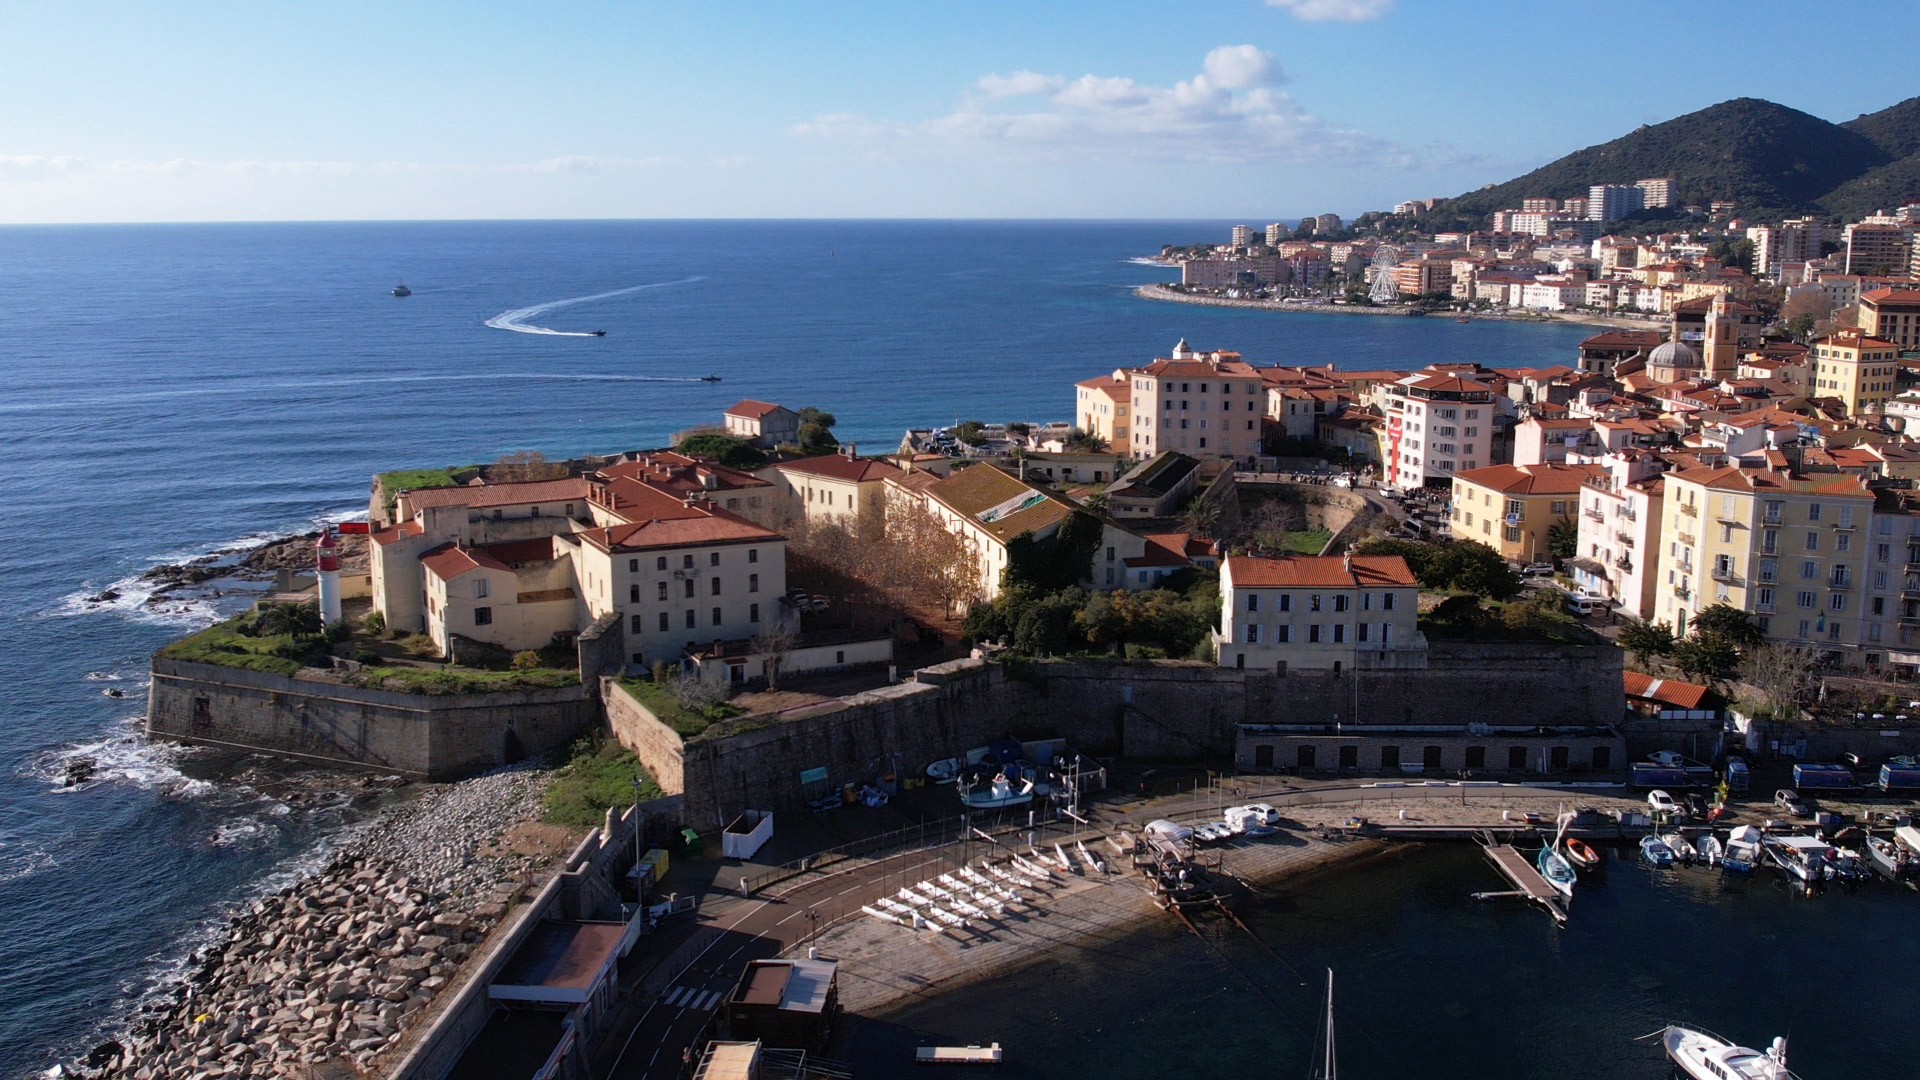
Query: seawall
{"type": "Point", "coordinates": [434, 737]}
{"type": "Point", "coordinates": [1143, 709]}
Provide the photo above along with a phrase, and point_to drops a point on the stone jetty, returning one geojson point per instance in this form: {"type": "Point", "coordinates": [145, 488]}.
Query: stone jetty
{"type": "Point", "coordinates": [326, 976]}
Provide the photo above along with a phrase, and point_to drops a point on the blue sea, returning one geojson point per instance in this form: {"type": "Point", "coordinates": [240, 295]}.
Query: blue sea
{"type": "Point", "coordinates": [174, 390]}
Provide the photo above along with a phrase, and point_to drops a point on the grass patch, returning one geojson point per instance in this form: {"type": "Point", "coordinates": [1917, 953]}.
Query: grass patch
{"type": "Point", "coordinates": [1309, 542]}
{"type": "Point", "coordinates": [598, 775]}
{"type": "Point", "coordinates": [687, 723]}
{"type": "Point", "coordinates": [224, 644]}
{"type": "Point", "coordinates": [455, 680]}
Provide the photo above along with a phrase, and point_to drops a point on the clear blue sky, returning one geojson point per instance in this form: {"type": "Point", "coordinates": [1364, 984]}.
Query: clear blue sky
{"type": "Point", "coordinates": [1255, 109]}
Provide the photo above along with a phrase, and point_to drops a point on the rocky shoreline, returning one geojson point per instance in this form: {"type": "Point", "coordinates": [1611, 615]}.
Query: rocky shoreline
{"type": "Point", "coordinates": [325, 977]}
{"type": "Point", "coordinates": [233, 569]}
{"type": "Point", "coordinates": [1166, 295]}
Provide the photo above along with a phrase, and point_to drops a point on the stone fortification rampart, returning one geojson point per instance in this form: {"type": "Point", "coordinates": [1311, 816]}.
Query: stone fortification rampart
{"type": "Point", "coordinates": [432, 736]}
{"type": "Point", "coordinates": [1139, 709]}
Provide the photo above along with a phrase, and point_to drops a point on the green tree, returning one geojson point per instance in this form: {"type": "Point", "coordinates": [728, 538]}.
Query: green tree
{"type": "Point", "coordinates": [1085, 442]}
{"type": "Point", "coordinates": [1420, 558]}
{"type": "Point", "coordinates": [1646, 640]}
{"type": "Point", "coordinates": [729, 450]}
{"type": "Point", "coordinates": [297, 621]}
{"type": "Point", "coordinates": [1020, 428]}
{"type": "Point", "coordinates": [1730, 625]}
{"type": "Point", "coordinates": [1476, 568]}
{"type": "Point", "coordinates": [971, 432]}
{"type": "Point", "coordinates": [1801, 326]}
{"type": "Point", "coordinates": [1563, 538]}
{"type": "Point", "coordinates": [816, 431]}
{"type": "Point", "coordinates": [1705, 657]}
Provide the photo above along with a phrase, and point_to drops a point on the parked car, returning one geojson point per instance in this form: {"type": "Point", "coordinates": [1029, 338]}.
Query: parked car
{"type": "Point", "coordinates": [1538, 569]}
{"type": "Point", "coordinates": [1696, 805]}
{"type": "Point", "coordinates": [1789, 800]}
{"type": "Point", "coordinates": [1661, 803]}
{"type": "Point", "coordinates": [1669, 758]}
{"type": "Point", "coordinates": [1585, 603]}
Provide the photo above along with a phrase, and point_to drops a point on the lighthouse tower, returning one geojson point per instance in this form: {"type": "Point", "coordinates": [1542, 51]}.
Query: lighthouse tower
{"type": "Point", "coordinates": [327, 562]}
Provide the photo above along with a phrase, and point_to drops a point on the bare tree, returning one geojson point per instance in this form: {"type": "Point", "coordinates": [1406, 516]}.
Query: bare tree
{"type": "Point", "coordinates": [1784, 676]}
{"type": "Point", "coordinates": [524, 465]}
{"type": "Point", "coordinates": [694, 693]}
{"type": "Point", "coordinates": [775, 641]}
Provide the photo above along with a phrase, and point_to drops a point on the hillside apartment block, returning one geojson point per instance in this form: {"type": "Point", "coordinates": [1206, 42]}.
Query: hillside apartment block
{"type": "Point", "coordinates": [1513, 508]}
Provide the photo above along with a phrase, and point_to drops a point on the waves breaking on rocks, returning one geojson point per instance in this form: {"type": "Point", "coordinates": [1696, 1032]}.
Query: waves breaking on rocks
{"type": "Point", "coordinates": [337, 965]}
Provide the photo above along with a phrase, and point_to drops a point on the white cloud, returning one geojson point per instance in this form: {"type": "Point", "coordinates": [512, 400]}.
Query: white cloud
{"type": "Point", "coordinates": [1334, 10]}
{"type": "Point", "coordinates": [1229, 112]}
{"type": "Point", "coordinates": [1239, 66]}
{"type": "Point", "coordinates": [1019, 83]}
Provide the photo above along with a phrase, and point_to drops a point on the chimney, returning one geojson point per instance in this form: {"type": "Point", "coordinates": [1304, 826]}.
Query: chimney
{"type": "Point", "coordinates": [1346, 561]}
{"type": "Point", "coordinates": [846, 451]}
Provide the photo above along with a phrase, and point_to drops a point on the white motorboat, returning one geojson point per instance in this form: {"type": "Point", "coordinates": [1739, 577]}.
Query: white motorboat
{"type": "Point", "coordinates": [1705, 1056]}
{"type": "Point", "coordinates": [1743, 850]}
{"type": "Point", "coordinates": [1682, 850]}
{"type": "Point", "coordinates": [1801, 857]}
{"type": "Point", "coordinates": [1710, 850]}
{"type": "Point", "coordinates": [1655, 852]}
{"type": "Point", "coordinates": [1557, 870]}
{"type": "Point", "coordinates": [944, 771]}
{"type": "Point", "coordinates": [1887, 858]}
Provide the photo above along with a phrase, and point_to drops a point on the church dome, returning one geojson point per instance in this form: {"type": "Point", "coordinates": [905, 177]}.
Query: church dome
{"type": "Point", "coordinates": [1674, 354]}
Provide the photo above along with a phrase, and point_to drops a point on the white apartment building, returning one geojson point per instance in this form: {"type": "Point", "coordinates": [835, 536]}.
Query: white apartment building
{"type": "Point", "coordinates": [1656, 192]}
{"type": "Point", "coordinates": [1200, 404]}
{"type": "Point", "coordinates": [1618, 555]}
{"type": "Point", "coordinates": [1319, 613]}
{"type": "Point", "coordinates": [1437, 423]}
{"type": "Point", "coordinates": [1605, 202]}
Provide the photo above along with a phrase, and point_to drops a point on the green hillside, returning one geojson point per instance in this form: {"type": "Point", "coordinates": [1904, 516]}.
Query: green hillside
{"type": "Point", "coordinates": [1895, 129]}
{"type": "Point", "coordinates": [1769, 159]}
{"type": "Point", "coordinates": [1878, 189]}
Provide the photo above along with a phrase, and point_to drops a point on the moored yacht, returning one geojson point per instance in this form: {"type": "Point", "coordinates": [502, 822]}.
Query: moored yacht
{"type": "Point", "coordinates": [1801, 857]}
{"type": "Point", "coordinates": [1705, 1056]}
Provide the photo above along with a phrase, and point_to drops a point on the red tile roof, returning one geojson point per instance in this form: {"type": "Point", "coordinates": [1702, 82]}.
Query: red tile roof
{"type": "Point", "coordinates": [1680, 695]}
{"type": "Point", "coordinates": [391, 533]}
{"type": "Point", "coordinates": [751, 410]}
{"type": "Point", "coordinates": [709, 526]}
{"type": "Point", "coordinates": [479, 495]}
{"type": "Point", "coordinates": [1531, 479]}
{"type": "Point", "coordinates": [1318, 571]}
{"type": "Point", "coordinates": [449, 561]}
{"type": "Point", "coordinates": [841, 467]}
{"type": "Point", "coordinates": [1891, 296]}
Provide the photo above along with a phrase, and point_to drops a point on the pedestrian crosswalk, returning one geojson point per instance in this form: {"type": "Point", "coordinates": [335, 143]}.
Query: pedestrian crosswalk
{"type": "Point", "coordinates": [692, 997]}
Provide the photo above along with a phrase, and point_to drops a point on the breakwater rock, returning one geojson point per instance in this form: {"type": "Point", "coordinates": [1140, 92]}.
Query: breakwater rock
{"type": "Point", "coordinates": [325, 976]}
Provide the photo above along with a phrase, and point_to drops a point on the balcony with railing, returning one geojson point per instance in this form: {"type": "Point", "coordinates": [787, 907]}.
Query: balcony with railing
{"type": "Point", "coordinates": [1623, 563]}
{"type": "Point", "coordinates": [1726, 575]}
{"type": "Point", "coordinates": [1593, 514]}
{"type": "Point", "coordinates": [1683, 592]}
{"type": "Point", "coordinates": [1686, 539]}
{"type": "Point", "coordinates": [1623, 538]}
{"type": "Point", "coordinates": [1764, 609]}
{"type": "Point", "coordinates": [1690, 510]}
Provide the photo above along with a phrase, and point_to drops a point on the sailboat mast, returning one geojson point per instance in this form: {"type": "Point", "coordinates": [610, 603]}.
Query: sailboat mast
{"type": "Point", "coordinates": [1327, 1067]}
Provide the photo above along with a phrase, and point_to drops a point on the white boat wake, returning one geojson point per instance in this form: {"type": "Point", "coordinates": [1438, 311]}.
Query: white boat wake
{"type": "Point", "coordinates": [517, 320]}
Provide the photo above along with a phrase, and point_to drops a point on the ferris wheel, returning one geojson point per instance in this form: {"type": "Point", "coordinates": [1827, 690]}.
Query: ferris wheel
{"type": "Point", "coordinates": [1385, 290]}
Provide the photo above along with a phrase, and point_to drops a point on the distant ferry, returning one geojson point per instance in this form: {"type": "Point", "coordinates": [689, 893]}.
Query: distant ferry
{"type": "Point", "coordinates": [402, 290]}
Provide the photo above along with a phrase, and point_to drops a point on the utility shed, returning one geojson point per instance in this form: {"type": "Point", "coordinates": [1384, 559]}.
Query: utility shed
{"type": "Point", "coordinates": [785, 1002]}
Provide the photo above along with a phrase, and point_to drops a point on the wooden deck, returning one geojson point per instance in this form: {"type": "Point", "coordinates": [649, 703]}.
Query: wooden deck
{"type": "Point", "coordinates": [1527, 881]}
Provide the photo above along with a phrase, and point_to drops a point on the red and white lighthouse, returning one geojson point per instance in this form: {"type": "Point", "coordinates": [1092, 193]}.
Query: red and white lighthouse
{"type": "Point", "coordinates": [326, 562]}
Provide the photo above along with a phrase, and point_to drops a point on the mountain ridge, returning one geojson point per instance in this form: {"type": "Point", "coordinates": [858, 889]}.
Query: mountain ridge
{"type": "Point", "coordinates": [1771, 160]}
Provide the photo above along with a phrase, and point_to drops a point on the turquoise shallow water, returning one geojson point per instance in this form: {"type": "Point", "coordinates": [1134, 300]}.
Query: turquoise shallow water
{"type": "Point", "coordinates": [172, 389]}
{"type": "Point", "coordinates": [1429, 983]}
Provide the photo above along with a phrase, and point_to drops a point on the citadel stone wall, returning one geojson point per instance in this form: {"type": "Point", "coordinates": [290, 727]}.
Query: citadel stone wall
{"type": "Point", "coordinates": [432, 736]}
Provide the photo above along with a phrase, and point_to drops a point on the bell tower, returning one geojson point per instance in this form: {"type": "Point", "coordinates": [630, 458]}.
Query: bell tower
{"type": "Point", "coordinates": [1720, 346]}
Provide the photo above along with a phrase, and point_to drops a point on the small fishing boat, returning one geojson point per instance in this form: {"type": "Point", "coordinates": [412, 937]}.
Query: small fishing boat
{"type": "Point", "coordinates": [402, 290]}
{"type": "Point", "coordinates": [1581, 854]}
{"type": "Point", "coordinates": [1703, 1055]}
{"type": "Point", "coordinates": [1743, 850]}
{"type": "Point", "coordinates": [1557, 870]}
{"type": "Point", "coordinates": [709, 377]}
{"type": "Point", "coordinates": [1709, 850]}
{"type": "Point", "coordinates": [944, 771]}
{"type": "Point", "coordinates": [1655, 852]}
{"type": "Point", "coordinates": [1802, 858]}
{"type": "Point", "coordinates": [1887, 860]}
{"type": "Point", "coordinates": [1682, 850]}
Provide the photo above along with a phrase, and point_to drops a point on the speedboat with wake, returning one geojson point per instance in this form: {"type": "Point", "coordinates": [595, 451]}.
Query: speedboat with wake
{"type": "Point", "coordinates": [1705, 1056]}
{"type": "Point", "coordinates": [598, 333]}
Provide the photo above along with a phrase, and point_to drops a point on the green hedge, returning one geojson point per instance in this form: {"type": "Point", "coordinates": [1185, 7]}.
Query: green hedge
{"type": "Point", "coordinates": [450, 680]}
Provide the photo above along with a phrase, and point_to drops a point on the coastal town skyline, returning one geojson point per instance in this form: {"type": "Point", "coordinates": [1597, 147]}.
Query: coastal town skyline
{"type": "Point", "coordinates": [1292, 107]}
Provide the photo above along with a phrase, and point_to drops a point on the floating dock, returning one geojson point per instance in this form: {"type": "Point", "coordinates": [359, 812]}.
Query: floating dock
{"type": "Point", "coordinates": [1529, 885]}
{"type": "Point", "coordinates": [958, 1055]}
